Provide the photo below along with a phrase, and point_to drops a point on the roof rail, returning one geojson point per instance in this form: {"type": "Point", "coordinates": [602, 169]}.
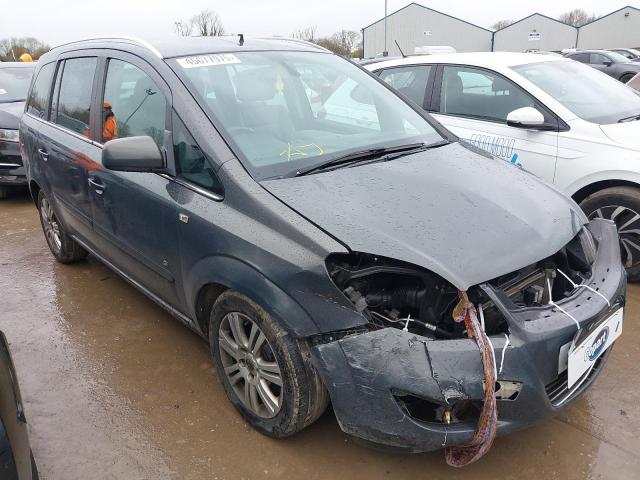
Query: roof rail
{"type": "Point", "coordinates": [296, 40]}
{"type": "Point", "coordinates": [134, 40]}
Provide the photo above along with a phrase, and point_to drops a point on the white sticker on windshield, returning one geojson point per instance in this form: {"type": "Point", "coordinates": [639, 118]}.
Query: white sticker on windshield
{"type": "Point", "coordinates": [3, 91]}
{"type": "Point", "coordinates": [205, 60]}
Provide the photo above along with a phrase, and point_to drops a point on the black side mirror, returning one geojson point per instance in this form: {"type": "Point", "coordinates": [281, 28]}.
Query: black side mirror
{"type": "Point", "coordinates": [133, 154]}
{"type": "Point", "coordinates": [607, 63]}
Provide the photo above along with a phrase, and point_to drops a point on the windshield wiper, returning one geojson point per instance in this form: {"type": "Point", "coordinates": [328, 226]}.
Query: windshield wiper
{"type": "Point", "coordinates": [630, 119]}
{"type": "Point", "coordinates": [369, 155]}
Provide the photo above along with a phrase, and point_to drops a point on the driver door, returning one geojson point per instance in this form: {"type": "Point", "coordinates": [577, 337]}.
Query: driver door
{"type": "Point", "coordinates": [474, 103]}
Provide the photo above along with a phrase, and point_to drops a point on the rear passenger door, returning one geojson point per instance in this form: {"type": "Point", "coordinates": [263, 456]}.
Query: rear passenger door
{"type": "Point", "coordinates": [66, 143]}
{"type": "Point", "coordinates": [474, 103]}
{"type": "Point", "coordinates": [134, 215]}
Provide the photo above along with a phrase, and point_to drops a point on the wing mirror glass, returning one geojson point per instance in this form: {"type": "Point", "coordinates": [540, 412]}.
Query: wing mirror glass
{"type": "Point", "coordinates": [527, 117]}
{"type": "Point", "coordinates": [133, 154]}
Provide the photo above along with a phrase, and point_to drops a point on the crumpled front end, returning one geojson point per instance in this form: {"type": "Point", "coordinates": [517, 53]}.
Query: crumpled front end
{"type": "Point", "coordinates": [413, 380]}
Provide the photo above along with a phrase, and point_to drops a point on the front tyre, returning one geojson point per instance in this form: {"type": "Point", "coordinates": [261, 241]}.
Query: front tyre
{"type": "Point", "coordinates": [622, 206]}
{"type": "Point", "coordinates": [64, 248]}
{"type": "Point", "coordinates": [262, 368]}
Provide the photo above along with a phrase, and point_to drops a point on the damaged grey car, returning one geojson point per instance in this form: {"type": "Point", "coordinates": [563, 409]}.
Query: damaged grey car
{"type": "Point", "coordinates": [334, 243]}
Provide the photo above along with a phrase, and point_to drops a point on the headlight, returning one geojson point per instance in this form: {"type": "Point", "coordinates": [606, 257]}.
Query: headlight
{"type": "Point", "coordinates": [9, 135]}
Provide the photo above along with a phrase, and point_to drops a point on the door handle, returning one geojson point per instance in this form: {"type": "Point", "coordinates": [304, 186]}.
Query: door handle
{"type": "Point", "coordinates": [97, 186]}
{"type": "Point", "coordinates": [44, 154]}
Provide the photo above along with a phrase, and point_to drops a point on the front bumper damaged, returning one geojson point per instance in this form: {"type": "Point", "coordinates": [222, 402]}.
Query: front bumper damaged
{"type": "Point", "coordinates": [368, 374]}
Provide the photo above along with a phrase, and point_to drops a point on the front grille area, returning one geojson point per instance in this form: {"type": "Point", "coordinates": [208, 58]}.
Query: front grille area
{"type": "Point", "coordinates": [559, 393]}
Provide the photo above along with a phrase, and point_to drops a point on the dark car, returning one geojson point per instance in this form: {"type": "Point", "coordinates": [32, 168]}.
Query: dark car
{"type": "Point", "coordinates": [16, 460]}
{"type": "Point", "coordinates": [322, 256]}
{"type": "Point", "coordinates": [15, 78]}
{"type": "Point", "coordinates": [630, 53]}
{"type": "Point", "coordinates": [613, 64]}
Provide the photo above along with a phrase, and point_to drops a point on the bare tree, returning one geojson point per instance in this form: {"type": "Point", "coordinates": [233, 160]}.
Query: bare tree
{"type": "Point", "coordinates": [207, 24]}
{"type": "Point", "coordinates": [12, 48]}
{"type": "Point", "coordinates": [501, 24]}
{"type": "Point", "coordinates": [183, 28]}
{"type": "Point", "coordinates": [577, 17]}
{"type": "Point", "coordinates": [307, 34]}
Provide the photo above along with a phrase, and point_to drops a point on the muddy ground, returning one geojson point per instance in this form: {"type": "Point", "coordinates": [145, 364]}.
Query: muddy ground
{"type": "Point", "coordinates": [116, 388]}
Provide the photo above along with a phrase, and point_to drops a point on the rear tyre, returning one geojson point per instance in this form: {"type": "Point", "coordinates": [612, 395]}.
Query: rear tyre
{"type": "Point", "coordinates": [621, 205]}
{"type": "Point", "coordinates": [626, 77]}
{"type": "Point", "coordinates": [64, 248]}
{"type": "Point", "coordinates": [262, 368]}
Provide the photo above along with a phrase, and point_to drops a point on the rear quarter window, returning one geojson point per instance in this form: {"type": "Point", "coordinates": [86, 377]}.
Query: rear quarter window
{"type": "Point", "coordinates": [39, 98]}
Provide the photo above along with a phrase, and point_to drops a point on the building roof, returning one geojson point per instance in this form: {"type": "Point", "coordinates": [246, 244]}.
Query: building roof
{"type": "Point", "coordinates": [176, 46]}
{"type": "Point", "coordinates": [534, 15]}
{"type": "Point", "coordinates": [609, 14]}
{"type": "Point", "coordinates": [432, 10]}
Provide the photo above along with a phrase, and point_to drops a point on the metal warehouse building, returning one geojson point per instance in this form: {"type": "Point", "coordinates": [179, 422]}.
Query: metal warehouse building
{"type": "Point", "coordinates": [618, 29]}
{"type": "Point", "coordinates": [535, 32]}
{"type": "Point", "coordinates": [416, 26]}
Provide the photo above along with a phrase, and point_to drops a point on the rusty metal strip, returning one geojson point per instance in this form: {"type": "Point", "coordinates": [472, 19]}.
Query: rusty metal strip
{"type": "Point", "coordinates": [460, 456]}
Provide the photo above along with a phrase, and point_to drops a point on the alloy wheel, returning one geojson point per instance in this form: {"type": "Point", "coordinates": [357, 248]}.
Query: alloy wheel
{"type": "Point", "coordinates": [50, 225]}
{"type": "Point", "coordinates": [628, 224]}
{"type": "Point", "coordinates": [250, 364]}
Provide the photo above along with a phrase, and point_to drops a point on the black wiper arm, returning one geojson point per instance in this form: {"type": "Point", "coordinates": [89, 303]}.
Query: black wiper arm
{"type": "Point", "coordinates": [358, 156]}
{"type": "Point", "coordinates": [630, 119]}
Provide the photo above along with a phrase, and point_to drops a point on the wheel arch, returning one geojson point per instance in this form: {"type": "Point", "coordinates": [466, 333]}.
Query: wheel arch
{"type": "Point", "coordinates": [591, 188]}
{"type": "Point", "coordinates": [34, 190]}
{"type": "Point", "coordinates": [211, 276]}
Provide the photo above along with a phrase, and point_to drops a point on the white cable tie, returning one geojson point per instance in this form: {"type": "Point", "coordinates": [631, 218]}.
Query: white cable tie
{"type": "Point", "coordinates": [406, 325]}
{"type": "Point", "coordinates": [551, 302]}
{"type": "Point", "coordinates": [493, 358]}
{"type": "Point", "coordinates": [584, 286]}
{"type": "Point", "coordinates": [504, 350]}
{"type": "Point", "coordinates": [481, 317]}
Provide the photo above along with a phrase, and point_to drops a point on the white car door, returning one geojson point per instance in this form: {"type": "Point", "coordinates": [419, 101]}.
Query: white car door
{"type": "Point", "coordinates": [474, 103]}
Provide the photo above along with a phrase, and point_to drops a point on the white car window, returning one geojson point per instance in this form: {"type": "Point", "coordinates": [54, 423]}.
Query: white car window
{"type": "Point", "coordinates": [596, 98]}
{"type": "Point", "coordinates": [477, 93]}
{"type": "Point", "coordinates": [411, 81]}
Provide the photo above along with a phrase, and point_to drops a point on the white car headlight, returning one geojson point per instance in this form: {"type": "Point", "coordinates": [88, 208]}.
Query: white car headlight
{"type": "Point", "coordinates": [9, 135]}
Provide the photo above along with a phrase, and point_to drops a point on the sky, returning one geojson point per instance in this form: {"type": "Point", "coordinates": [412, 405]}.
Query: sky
{"type": "Point", "coordinates": [56, 21]}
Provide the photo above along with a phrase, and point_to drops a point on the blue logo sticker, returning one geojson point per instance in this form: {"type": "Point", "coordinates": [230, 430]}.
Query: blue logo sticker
{"type": "Point", "coordinates": [514, 160]}
{"type": "Point", "coordinates": [597, 346]}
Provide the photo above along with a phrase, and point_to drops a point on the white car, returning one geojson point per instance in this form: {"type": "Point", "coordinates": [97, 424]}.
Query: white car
{"type": "Point", "coordinates": [561, 120]}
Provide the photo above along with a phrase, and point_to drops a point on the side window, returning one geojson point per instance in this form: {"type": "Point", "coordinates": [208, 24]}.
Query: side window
{"type": "Point", "coordinates": [580, 57]}
{"type": "Point", "coordinates": [480, 94]}
{"type": "Point", "coordinates": [74, 100]}
{"type": "Point", "coordinates": [410, 81]}
{"type": "Point", "coordinates": [599, 59]}
{"type": "Point", "coordinates": [133, 105]}
{"type": "Point", "coordinates": [39, 97]}
{"type": "Point", "coordinates": [191, 163]}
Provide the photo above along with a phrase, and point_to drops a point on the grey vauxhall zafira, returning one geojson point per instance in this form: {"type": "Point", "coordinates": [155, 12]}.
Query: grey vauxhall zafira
{"type": "Point", "coordinates": [330, 240]}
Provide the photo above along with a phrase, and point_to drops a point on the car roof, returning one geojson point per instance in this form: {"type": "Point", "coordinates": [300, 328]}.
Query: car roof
{"type": "Point", "coordinates": [177, 46]}
{"type": "Point", "coordinates": [480, 59]}
{"type": "Point", "coordinates": [17, 64]}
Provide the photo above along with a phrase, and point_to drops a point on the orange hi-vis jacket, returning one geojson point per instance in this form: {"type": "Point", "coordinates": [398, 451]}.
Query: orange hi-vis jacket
{"type": "Point", "coordinates": [110, 129]}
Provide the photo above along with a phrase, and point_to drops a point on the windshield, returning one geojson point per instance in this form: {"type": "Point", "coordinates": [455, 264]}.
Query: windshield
{"type": "Point", "coordinates": [288, 111]}
{"type": "Point", "coordinates": [596, 97]}
{"type": "Point", "coordinates": [14, 83]}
